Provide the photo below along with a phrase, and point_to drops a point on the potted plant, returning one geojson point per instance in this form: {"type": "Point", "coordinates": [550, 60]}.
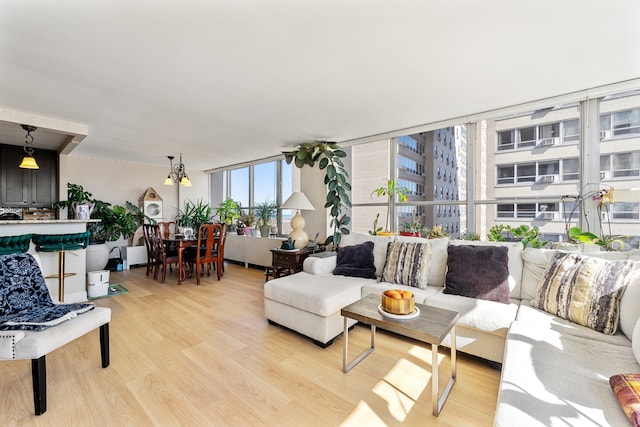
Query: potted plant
{"type": "Point", "coordinates": [245, 222]}
{"type": "Point", "coordinates": [606, 242]}
{"type": "Point", "coordinates": [265, 212]}
{"type": "Point", "coordinates": [435, 232]}
{"type": "Point", "coordinates": [529, 236]}
{"type": "Point", "coordinates": [469, 235]}
{"type": "Point", "coordinates": [411, 229]}
{"type": "Point", "coordinates": [376, 229]}
{"type": "Point", "coordinates": [390, 190]}
{"type": "Point", "coordinates": [115, 222]}
{"type": "Point", "coordinates": [193, 215]}
{"type": "Point", "coordinates": [228, 212]}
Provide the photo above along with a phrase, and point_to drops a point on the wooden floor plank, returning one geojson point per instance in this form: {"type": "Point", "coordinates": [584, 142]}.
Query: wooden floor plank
{"type": "Point", "coordinates": [205, 355]}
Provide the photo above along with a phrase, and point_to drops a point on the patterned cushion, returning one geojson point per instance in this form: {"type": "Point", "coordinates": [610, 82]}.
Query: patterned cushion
{"type": "Point", "coordinates": [407, 264]}
{"type": "Point", "coordinates": [583, 289]}
{"type": "Point", "coordinates": [478, 272]}
{"type": "Point", "coordinates": [25, 303]}
{"type": "Point", "coordinates": [356, 261]}
{"type": "Point", "coordinates": [627, 390]}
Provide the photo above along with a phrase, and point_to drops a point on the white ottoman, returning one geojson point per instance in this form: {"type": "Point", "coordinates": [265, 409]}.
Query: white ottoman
{"type": "Point", "coordinates": [310, 303]}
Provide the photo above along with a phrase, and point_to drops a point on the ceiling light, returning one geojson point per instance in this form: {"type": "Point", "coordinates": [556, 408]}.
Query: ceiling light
{"type": "Point", "coordinates": [177, 173]}
{"type": "Point", "coordinates": [29, 162]}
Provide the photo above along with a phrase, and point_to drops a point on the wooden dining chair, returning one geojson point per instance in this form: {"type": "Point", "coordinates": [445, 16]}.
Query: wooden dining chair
{"type": "Point", "coordinates": [219, 250]}
{"type": "Point", "coordinates": [167, 228]}
{"type": "Point", "coordinates": [207, 251]}
{"type": "Point", "coordinates": [164, 257]}
{"type": "Point", "coordinates": [150, 230]}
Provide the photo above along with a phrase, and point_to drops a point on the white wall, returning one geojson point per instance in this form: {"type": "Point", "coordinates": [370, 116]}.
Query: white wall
{"type": "Point", "coordinates": [118, 182]}
{"type": "Point", "coordinates": [312, 185]}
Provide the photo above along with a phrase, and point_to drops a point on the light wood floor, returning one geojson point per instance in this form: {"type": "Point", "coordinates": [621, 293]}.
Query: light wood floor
{"type": "Point", "coordinates": [187, 356]}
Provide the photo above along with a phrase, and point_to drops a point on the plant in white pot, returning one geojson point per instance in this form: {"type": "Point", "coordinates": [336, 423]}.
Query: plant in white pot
{"type": "Point", "coordinates": [390, 190]}
{"type": "Point", "coordinates": [265, 213]}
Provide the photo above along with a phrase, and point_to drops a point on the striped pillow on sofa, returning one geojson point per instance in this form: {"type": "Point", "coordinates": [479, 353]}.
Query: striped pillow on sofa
{"type": "Point", "coordinates": [583, 289]}
{"type": "Point", "coordinates": [407, 263]}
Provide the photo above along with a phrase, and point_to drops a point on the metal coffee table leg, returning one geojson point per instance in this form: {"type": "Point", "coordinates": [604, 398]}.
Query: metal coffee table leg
{"type": "Point", "coordinates": [347, 366]}
{"type": "Point", "coordinates": [437, 398]}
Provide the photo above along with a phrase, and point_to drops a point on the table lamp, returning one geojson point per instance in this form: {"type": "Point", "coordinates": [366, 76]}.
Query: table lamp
{"type": "Point", "coordinates": [298, 201]}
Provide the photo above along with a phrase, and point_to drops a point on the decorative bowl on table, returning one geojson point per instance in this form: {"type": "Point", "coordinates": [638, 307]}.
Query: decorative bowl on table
{"type": "Point", "coordinates": [398, 301]}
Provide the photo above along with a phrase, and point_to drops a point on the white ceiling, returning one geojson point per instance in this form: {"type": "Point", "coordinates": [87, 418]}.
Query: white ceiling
{"type": "Point", "coordinates": [228, 81]}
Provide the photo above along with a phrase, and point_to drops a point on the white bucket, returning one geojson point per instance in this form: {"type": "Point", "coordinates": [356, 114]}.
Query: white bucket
{"type": "Point", "coordinates": [97, 283]}
{"type": "Point", "coordinates": [95, 290]}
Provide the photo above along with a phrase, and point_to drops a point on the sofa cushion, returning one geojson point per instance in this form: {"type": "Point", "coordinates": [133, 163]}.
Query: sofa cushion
{"type": "Point", "coordinates": [630, 304]}
{"type": "Point", "coordinates": [356, 261]}
{"type": "Point", "coordinates": [584, 289]}
{"type": "Point", "coordinates": [487, 316]}
{"type": "Point", "coordinates": [535, 262]}
{"type": "Point", "coordinates": [515, 261]}
{"type": "Point", "coordinates": [320, 294]}
{"type": "Point", "coordinates": [407, 264]}
{"type": "Point", "coordinates": [626, 387]}
{"type": "Point", "coordinates": [635, 341]}
{"type": "Point", "coordinates": [438, 262]}
{"type": "Point", "coordinates": [379, 247]}
{"type": "Point", "coordinates": [553, 379]}
{"type": "Point", "coordinates": [419, 294]}
{"type": "Point", "coordinates": [478, 272]}
{"type": "Point", "coordinates": [544, 320]}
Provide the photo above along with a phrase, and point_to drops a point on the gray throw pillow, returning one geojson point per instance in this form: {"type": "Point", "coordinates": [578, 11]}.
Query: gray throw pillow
{"type": "Point", "coordinates": [478, 272]}
{"type": "Point", "coordinates": [356, 261]}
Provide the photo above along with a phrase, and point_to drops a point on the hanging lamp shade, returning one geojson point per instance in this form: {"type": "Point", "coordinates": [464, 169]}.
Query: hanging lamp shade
{"type": "Point", "coordinates": [29, 162]}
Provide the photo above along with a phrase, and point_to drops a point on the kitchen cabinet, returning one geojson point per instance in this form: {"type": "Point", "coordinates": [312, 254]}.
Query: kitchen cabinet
{"type": "Point", "coordinates": [28, 188]}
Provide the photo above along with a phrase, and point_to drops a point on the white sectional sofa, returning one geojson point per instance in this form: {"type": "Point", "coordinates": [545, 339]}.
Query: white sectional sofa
{"type": "Point", "coordinates": [554, 372]}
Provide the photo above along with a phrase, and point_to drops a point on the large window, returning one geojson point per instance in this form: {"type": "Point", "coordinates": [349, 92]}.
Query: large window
{"type": "Point", "coordinates": [626, 164]}
{"type": "Point", "coordinates": [239, 182]}
{"type": "Point", "coordinates": [257, 183]}
{"type": "Point", "coordinates": [620, 123]}
{"type": "Point", "coordinates": [527, 169]}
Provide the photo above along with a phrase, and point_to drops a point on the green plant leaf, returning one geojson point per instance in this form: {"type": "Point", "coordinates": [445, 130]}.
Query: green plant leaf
{"type": "Point", "coordinates": [323, 163]}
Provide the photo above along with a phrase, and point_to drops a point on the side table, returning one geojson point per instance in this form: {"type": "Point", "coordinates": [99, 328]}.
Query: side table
{"type": "Point", "coordinates": [285, 262]}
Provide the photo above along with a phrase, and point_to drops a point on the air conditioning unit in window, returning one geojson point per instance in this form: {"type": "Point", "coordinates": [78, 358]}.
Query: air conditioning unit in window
{"type": "Point", "coordinates": [605, 175]}
{"type": "Point", "coordinates": [547, 142]}
{"type": "Point", "coordinates": [547, 215]}
{"type": "Point", "coordinates": [605, 134]}
{"type": "Point", "coordinates": [546, 179]}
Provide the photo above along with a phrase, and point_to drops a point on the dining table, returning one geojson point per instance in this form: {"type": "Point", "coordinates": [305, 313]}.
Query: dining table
{"type": "Point", "coordinates": [180, 243]}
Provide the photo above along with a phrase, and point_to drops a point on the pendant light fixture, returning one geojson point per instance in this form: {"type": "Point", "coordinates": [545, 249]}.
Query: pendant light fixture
{"type": "Point", "coordinates": [177, 173]}
{"type": "Point", "coordinates": [29, 162]}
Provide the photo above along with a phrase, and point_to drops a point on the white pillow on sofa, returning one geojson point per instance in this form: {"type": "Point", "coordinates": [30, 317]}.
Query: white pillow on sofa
{"type": "Point", "coordinates": [635, 341]}
{"type": "Point", "coordinates": [630, 305]}
{"type": "Point", "coordinates": [438, 263]}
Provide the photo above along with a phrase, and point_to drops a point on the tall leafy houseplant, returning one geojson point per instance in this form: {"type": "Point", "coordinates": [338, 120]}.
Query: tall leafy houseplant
{"type": "Point", "coordinates": [328, 156]}
{"type": "Point", "coordinates": [194, 214]}
{"type": "Point", "coordinates": [390, 190]}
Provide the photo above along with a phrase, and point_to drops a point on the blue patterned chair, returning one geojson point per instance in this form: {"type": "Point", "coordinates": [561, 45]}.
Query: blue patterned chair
{"type": "Point", "coordinates": [32, 325]}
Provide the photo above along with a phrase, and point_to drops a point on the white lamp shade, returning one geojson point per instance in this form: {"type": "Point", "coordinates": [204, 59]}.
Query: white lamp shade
{"type": "Point", "coordinates": [298, 201]}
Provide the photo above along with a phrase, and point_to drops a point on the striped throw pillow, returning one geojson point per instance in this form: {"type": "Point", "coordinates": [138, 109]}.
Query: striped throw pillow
{"type": "Point", "coordinates": [407, 263]}
{"type": "Point", "coordinates": [585, 290]}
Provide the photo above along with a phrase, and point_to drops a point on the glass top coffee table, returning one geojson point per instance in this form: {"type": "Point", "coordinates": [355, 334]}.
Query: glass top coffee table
{"type": "Point", "coordinates": [431, 326]}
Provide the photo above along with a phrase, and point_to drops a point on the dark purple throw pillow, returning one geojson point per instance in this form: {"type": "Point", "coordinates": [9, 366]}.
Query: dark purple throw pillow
{"type": "Point", "coordinates": [356, 261]}
{"type": "Point", "coordinates": [478, 272]}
